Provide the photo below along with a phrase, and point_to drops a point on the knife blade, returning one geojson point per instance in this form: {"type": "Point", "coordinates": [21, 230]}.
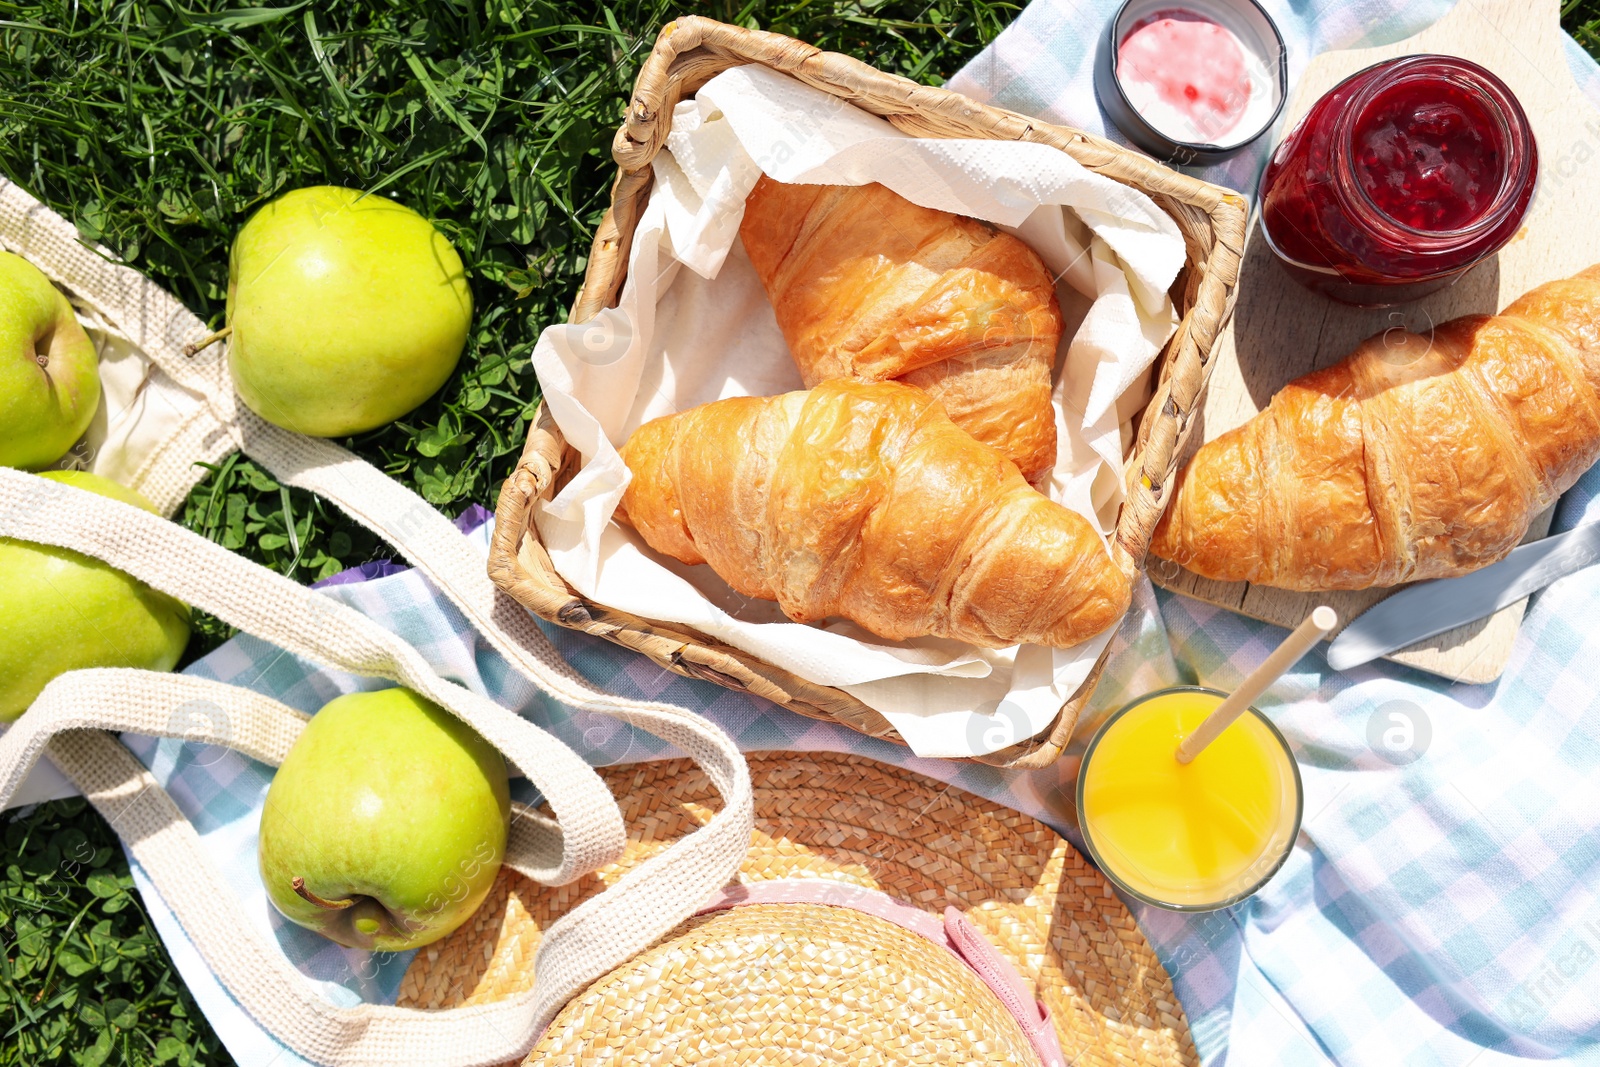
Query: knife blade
{"type": "Point", "coordinates": [1425, 609]}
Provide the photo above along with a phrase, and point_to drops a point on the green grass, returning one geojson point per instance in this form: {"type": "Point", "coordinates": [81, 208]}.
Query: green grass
{"type": "Point", "coordinates": [1581, 18]}
{"type": "Point", "coordinates": [83, 978]}
{"type": "Point", "coordinates": [158, 128]}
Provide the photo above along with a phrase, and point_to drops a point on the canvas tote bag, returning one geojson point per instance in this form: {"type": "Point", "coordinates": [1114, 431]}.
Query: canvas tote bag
{"type": "Point", "coordinates": [191, 404]}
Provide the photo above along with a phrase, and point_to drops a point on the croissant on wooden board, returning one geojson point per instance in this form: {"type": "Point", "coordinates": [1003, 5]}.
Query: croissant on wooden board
{"type": "Point", "coordinates": [868, 285]}
{"type": "Point", "coordinates": [865, 501]}
{"type": "Point", "coordinates": [1413, 458]}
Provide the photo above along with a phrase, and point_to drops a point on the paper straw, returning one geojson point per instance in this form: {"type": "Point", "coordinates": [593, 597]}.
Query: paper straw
{"type": "Point", "coordinates": [1317, 625]}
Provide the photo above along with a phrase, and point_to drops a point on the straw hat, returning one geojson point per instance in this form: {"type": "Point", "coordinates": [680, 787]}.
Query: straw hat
{"type": "Point", "coordinates": [880, 918]}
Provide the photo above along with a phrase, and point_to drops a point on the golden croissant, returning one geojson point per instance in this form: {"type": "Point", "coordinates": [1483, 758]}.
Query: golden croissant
{"type": "Point", "coordinates": [864, 501]}
{"type": "Point", "coordinates": [1413, 458]}
{"type": "Point", "coordinates": [868, 285]}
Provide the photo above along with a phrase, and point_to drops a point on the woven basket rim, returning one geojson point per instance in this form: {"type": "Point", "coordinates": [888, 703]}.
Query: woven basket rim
{"type": "Point", "coordinates": [690, 50]}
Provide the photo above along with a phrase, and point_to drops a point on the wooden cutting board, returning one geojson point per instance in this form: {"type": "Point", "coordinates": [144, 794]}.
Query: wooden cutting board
{"type": "Point", "coordinates": [1281, 331]}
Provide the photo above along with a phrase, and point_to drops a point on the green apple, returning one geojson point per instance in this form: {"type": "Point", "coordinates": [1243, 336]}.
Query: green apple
{"type": "Point", "coordinates": [385, 825]}
{"type": "Point", "coordinates": [61, 611]}
{"type": "Point", "coordinates": [346, 311]}
{"type": "Point", "coordinates": [49, 373]}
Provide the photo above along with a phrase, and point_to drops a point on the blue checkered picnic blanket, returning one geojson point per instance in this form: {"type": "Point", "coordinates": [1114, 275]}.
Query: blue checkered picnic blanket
{"type": "Point", "coordinates": [1440, 905]}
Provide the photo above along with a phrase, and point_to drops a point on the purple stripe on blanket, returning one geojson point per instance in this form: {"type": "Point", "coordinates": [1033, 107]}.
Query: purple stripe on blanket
{"type": "Point", "coordinates": [376, 568]}
{"type": "Point", "coordinates": [475, 516]}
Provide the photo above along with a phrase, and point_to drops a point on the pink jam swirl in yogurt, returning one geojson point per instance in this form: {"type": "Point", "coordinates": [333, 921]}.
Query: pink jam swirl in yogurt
{"type": "Point", "coordinates": [1194, 67]}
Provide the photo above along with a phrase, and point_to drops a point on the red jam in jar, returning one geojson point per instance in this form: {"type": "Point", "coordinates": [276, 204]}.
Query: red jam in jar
{"type": "Point", "coordinates": [1399, 180]}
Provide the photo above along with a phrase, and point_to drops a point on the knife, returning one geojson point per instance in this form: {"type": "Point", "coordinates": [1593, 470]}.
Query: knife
{"type": "Point", "coordinates": [1424, 609]}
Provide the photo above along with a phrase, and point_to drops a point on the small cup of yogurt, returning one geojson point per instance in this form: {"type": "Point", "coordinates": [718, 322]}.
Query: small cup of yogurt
{"type": "Point", "coordinates": [1192, 81]}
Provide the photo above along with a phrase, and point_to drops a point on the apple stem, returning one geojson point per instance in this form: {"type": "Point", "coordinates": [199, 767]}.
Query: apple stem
{"type": "Point", "coordinates": [305, 894]}
{"type": "Point", "coordinates": [206, 342]}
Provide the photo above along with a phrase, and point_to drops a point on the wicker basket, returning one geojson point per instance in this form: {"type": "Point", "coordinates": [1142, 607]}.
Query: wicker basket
{"type": "Point", "coordinates": [687, 54]}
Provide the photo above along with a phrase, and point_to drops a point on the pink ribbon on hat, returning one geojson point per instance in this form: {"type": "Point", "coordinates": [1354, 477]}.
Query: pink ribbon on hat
{"type": "Point", "coordinates": [956, 933]}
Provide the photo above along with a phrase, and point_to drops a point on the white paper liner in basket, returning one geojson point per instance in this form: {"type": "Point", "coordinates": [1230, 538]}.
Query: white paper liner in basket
{"type": "Point", "coordinates": [694, 325]}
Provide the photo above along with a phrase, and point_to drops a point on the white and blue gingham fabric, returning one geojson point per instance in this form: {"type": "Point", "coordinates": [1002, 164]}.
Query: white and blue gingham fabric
{"type": "Point", "coordinates": [1440, 905]}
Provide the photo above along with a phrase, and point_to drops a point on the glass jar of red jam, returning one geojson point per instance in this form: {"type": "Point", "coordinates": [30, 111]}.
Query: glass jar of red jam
{"type": "Point", "coordinates": [1399, 180]}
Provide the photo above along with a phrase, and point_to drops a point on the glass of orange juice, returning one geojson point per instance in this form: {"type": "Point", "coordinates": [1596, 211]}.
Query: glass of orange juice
{"type": "Point", "coordinates": [1195, 836]}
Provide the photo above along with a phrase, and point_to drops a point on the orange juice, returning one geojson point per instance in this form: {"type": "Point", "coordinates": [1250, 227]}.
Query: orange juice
{"type": "Point", "coordinates": [1189, 836]}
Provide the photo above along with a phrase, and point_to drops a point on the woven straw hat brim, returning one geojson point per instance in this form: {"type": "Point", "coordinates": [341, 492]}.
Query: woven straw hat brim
{"type": "Point", "coordinates": [788, 984]}
{"type": "Point", "coordinates": [853, 820]}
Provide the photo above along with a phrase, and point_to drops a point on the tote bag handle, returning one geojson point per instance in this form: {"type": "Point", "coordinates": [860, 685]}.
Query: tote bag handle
{"type": "Point", "coordinates": [586, 830]}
